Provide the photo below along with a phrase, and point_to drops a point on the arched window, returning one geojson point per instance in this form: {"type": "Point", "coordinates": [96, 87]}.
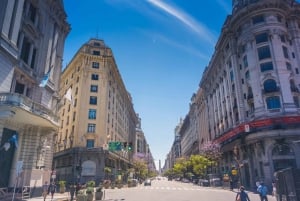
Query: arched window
{"type": "Point", "coordinates": [270, 85]}
{"type": "Point", "coordinates": [283, 157]}
{"type": "Point", "coordinates": [273, 102]}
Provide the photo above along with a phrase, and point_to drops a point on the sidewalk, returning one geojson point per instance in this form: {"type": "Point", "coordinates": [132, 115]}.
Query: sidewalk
{"type": "Point", "coordinates": [57, 197]}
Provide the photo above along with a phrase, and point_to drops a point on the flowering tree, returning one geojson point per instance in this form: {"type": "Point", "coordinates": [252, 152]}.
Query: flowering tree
{"type": "Point", "coordinates": [211, 151]}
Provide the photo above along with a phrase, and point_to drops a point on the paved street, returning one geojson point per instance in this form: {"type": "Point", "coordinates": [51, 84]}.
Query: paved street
{"type": "Point", "coordinates": [163, 190]}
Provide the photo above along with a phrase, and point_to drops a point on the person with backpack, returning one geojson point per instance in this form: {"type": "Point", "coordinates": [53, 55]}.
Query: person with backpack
{"type": "Point", "coordinates": [263, 191]}
{"type": "Point", "coordinates": [242, 195]}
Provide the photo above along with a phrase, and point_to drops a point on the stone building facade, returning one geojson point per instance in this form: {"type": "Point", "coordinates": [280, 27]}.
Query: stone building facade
{"type": "Point", "coordinates": [252, 89]}
{"type": "Point", "coordinates": [32, 39]}
{"type": "Point", "coordinates": [95, 109]}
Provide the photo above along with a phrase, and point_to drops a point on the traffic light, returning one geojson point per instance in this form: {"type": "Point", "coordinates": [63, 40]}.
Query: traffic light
{"type": "Point", "coordinates": [130, 147]}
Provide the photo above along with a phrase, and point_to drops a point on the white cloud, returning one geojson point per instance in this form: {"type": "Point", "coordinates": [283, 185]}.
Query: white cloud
{"type": "Point", "coordinates": [187, 20]}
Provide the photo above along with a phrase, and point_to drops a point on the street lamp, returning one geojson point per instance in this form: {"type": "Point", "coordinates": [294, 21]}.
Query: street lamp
{"type": "Point", "coordinates": [236, 157]}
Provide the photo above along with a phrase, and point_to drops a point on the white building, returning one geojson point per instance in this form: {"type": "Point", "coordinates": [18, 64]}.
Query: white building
{"type": "Point", "coordinates": [251, 87]}
{"type": "Point", "coordinates": [31, 45]}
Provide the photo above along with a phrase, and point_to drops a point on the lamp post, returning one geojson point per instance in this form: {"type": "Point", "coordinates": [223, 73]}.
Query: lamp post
{"type": "Point", "coordinates": [236, 157]}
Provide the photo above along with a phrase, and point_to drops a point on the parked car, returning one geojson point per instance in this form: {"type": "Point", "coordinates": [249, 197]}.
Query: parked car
{"type": "Point", "coordinates": [147, 182]}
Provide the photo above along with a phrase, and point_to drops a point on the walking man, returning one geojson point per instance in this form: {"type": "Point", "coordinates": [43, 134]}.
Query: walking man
{"type": "Point", "coordinates": [263, 191]}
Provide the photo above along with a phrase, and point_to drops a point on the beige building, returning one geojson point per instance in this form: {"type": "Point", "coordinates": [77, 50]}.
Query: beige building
{"type": "Point", "coordinates": [95, 109]}
{"type": "Point", "coordinates": [31, 49]}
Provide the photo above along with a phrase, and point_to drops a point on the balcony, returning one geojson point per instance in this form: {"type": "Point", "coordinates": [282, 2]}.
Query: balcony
{"type": "Point", "coordinates": [21, 109]}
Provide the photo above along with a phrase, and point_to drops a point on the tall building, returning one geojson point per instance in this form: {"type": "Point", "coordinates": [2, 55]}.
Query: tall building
{"type": "Point", "coordinates": [249, 93]}
{"type": "Point", "coordinates": [31, 50]}
{"type": "Point", "coordinates": [95, 109]}
{"type": "Point", "coordinates": [251, 87]}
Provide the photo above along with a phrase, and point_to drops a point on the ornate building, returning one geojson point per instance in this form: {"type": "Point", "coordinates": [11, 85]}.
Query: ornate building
{"type": "Point", "coordinates": [249, 99]}
{"type": "Point", "coordinates": [95, 109]}
{"type": "Point", "coordinates": [251, 87]}
{"type": "Point", "coordinates": [31, 50]}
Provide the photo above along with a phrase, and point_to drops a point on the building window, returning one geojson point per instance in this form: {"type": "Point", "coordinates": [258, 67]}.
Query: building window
{"type": "Point", "coordinates": [258, 19]}
{"type": "Point", "coordinates": [19, 88]}
{"type": "Point", "coordinates": [247, 75]}
{"type": "Point", "coordinates": [231, 76]}
{"type": "Point", "coordinates": [92, 114]}
{"type": "Point", "coordinates": [25, 50]}
{"type": "Point", "coordinates": [74, 116]}
{"type": "Point", "coordinates": [96, 44]}
{"type": "Point", "coordinates": [75, 102]}
{"type": "Point", "coordinates": [273, 102]}
{"type": "Point", "coordinates": [296, 101]}
{"type": "Point", "coordinates": [282, 38]}
{"type": "Point", "coordinates": [261, 38]}
{"type": "Point", "coordinates": [90, 143]}
{"type": "Point", "coordinates": [94, 88]}
{"type": "Point", "coordinates": [285, 52]}
{"type": "Point", "coordinates": [95, 65]}
{"type": "Point", "coordinates": [96, 52]}
{"type": "Point", "coordinates": [32, 13]}
{"type": "Point", "coordinates": [245, 61]}
{"type": "Point", "coordinates": [270, 86]}
{"type": "Point", "coordinates": [91, 128]}
{"type": "Point", "coordinates": [266, 66]}
{"type": "Point", "coordinates": [93, 100]}
{"type": "Point", "coordinates": [288, 66]}
{"type": "Point", "coordinates": [264, 52]}
{"type": "Point", "coordinates": [297, 71]}
{"type": "Point", "coordinates": [95, 77]}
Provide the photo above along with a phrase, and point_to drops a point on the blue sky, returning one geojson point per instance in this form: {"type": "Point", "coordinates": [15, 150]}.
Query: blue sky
{"type": "Point", "coordinates": [161, 48]}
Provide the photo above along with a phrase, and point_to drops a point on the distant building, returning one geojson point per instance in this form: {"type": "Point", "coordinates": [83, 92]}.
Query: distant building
{"type": "Point", "coordinates": [96, 109]}
{"type": "Point", "coordinates": [31, 50]}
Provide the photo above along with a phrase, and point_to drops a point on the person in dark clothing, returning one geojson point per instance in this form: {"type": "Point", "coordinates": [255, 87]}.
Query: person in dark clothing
{"type": "Point", "coordinates": [52, 188]}
{"type": "Point", "coordinates": [242, 195]}
{"type": "Point", "coordinates": [72, 191]}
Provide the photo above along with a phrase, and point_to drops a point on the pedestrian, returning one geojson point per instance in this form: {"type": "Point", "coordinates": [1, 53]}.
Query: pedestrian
{"type": "Point", "coordinates": [78, 187]}
{"type": "Point", "coordinates": [52, 188]}
{"type": "Point", "coordinates": [242, 195]}
{"type": "Point", "coordinates": [274, 188]}
{"type": "Point", "coordinates": [72, 190]}
{"type": "Point", "coordinates": [263, 191]}
{"type": "Point", "coordinates": [45, 190]}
